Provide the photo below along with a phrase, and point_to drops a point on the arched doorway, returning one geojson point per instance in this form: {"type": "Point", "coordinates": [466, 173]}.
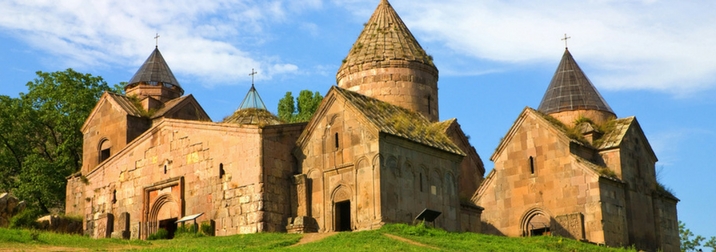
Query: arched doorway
{"type": "Point", "coordinates": [535, 223]}
{"type": "Point", "coordinates": [342, 220]}
{"type": "Point", "coordinates": [163, 215]}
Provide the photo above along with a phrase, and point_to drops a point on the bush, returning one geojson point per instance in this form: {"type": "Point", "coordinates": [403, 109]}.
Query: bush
{"type": "Point", "coordinates": [160, 234]}
{"type": "Point", "coordinates": [26, 219]}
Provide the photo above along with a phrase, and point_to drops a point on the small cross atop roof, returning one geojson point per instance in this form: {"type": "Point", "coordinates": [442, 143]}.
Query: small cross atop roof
{"type": "Point", "coordinates": [565, 40]}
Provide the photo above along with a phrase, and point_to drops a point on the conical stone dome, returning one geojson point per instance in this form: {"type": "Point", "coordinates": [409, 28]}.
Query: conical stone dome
{"type": "Point", "coordinates": [154, 79]}
{"type": "Point", "coordinates": [571, 93]}
{"type": "Point", "coordinates": [387, 63]}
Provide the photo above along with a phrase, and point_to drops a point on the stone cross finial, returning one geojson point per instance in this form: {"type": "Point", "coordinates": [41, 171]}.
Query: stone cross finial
{"type": "Point", "coordinates": [253, 73]}
{"type": "Point", "coordinates": [156, 38]}
{"type": "Point", "coordinates": [565, 40]}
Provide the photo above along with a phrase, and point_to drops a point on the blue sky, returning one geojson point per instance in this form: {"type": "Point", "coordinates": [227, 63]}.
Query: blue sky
{"type": "Point", "coordinates": [652, 59]}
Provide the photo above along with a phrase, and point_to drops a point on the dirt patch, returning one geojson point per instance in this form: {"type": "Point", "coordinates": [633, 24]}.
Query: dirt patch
{"type": "Point", "coordinates": [312, 237]}
{"type": "Point", "coordinates": [409, 241]}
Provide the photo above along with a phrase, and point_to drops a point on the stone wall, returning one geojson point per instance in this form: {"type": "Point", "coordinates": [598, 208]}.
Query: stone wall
{"type": "Point", "coordinates": [410, 85]}
{"type": "Point", "coordinates": [414, 177]}
{"type": "Point", "coordinates": [187, 167]}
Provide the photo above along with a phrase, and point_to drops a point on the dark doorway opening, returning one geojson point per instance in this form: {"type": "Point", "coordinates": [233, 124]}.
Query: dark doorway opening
{"type": "Point", "coordinates": [170, 226]}
{"type": "Point", "coordinates": [540, 231]}
{"type": "Point", "coordinates": [343, 216]}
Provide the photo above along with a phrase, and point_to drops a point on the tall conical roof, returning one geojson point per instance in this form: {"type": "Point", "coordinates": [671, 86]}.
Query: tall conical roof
{"type": "Point", "coordinates": [570, 89]}
{"type": "Point", "coordinates": [385, 37]}
{"type": "Point", "coordinates": [154, 71]}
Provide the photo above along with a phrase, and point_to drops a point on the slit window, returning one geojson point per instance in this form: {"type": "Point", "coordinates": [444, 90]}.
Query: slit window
{"type": "Point", "coordinates": [532, 165]}
{"type": "Point", "coordinates": [221, 171]}
{"type": "Point", "coordinates": [114, 196]}
{"type": "Point", "coordinates": [165, 169]}
{"type": "Point", "coordinates": [336, 137]}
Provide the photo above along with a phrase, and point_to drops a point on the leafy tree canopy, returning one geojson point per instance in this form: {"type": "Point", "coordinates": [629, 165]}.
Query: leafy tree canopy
{"type": "Point", "coordinates": [40, 138]}
{"type": "Point", "coordinates": [290, 110]}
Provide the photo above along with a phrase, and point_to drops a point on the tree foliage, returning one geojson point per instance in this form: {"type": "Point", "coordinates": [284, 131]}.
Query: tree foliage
{"type": "Point", "coordinates": [40, 138]}
{"type": "Point", "coordinates": [290, 110]}
{"type": "Point", "coordinates": [687, 242]}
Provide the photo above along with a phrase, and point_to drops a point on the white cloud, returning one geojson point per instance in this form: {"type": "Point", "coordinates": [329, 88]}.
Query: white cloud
{"type": "Point", "coordinates": [201, 39]}
{"type": "Point", "coordinates": [661, 45]}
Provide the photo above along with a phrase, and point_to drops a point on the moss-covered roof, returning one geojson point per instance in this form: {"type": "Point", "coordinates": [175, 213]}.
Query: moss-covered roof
{"type": "Point", "coordinates": [613, 138]}
{"type": "Point", "coordinates": [126, 103]}
{"type": "Point", "coordinates": [402, 122]}
{"type": "Point", "coordinates": [252, 116]}
{"type": "Point", "coordinates": [384, 38]}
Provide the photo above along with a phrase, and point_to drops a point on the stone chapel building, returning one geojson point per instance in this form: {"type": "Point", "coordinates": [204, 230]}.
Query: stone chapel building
{"type": "Point", "coordinates": [572, 168]}
{"type": "Point", "coordinates": [374, 152]}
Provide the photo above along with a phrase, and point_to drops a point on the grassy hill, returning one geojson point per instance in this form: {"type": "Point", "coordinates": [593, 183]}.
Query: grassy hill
{"type": "Point", "coordinates": [394, 237]}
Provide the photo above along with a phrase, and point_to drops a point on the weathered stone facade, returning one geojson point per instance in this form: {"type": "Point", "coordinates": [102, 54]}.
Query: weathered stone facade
{"type": "Point", "coordinates": [572, 169]}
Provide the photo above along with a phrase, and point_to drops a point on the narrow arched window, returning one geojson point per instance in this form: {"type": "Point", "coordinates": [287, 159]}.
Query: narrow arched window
{"type": "Point", "coordinates": [221, 171]}
{"type": "Point", "coordinates": [421, 181]}
{"type": "Point", "coordinates": [114, 196]}
{"type": "Point", "coordinates": [104, 150]}
{"type": "Point", "coordinates": [532, 165]}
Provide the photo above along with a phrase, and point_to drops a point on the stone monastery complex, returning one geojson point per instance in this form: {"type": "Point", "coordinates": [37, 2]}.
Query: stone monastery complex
{"type": "Point", "coordinates": [375, 152]}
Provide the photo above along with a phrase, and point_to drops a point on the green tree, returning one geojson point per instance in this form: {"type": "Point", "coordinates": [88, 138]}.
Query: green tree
{"type": "Point", "coordinates": [286, 108]}
{"type": "Point", "coordinates": [306, 106]}
{"type": "Point", "coordinates": [44, 125]}
{"type": "Point", "coordinates": [711, 243]}
{"type": "Point", "coordinates": [687, 243]}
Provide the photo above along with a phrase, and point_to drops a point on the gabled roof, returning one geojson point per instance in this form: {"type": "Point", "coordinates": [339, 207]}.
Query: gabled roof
{"type": "Point", "coordinates": [615, 137]}
{"type": "Point", "coordinates": [399, 121]}
{"type": "Point", "coordinates": [126, 104]}
{"type": "Point", "coordinates": [120, 101]}
{"type": "Point", "coordinates": [175, 104]}
{"type": "Point", "coordinates": [560, 132]}
{"type": "Point", "coordinates": [570, 89]}
{"type": "Point", "coordinates": [385, 37]}
{"type": "Point", "coordinates": [155, 70]}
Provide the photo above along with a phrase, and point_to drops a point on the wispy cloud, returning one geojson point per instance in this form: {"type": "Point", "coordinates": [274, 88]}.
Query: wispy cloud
{"type": "Point", "coordinates": [200, 39]}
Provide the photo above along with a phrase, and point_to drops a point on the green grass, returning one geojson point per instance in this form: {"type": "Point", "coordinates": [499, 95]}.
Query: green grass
{"type": "Point", "coordinates": [427, 239]}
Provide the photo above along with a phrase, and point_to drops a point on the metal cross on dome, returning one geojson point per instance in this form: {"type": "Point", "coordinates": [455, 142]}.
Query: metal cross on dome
{"type": "Point", "coordinates": [253, 73]}
{"type": "Point", "coordinates": [565, 40]}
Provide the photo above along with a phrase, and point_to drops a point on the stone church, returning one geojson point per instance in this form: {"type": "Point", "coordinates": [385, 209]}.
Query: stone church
{"type": "Point", "coordinates": [573, 169]}
{"type": "Point", "coordinates": [374, 152]}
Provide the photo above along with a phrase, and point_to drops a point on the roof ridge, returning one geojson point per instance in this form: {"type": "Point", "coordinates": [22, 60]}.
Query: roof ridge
{"type": "Point", "coordinates": [570, 89]}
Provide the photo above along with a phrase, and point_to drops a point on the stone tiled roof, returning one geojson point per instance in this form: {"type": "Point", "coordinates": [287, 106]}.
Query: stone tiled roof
{"type": "Point", "coordinates": [252, 116]}
{"type": "Point", "coordinates": [570, 89]}
{"type": "Point", "coordinates": [401, 122]}
{"type": "Point", "coordinates": [154, 71]}
{"type": "Point", "coordinates": [126, 104]}
{"type": "Point", "coordinates": [384, 38]}
{"type": "Point", "coordinates": [614, 137]}
{"type": "Point", "coordinates": [168, 106]}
